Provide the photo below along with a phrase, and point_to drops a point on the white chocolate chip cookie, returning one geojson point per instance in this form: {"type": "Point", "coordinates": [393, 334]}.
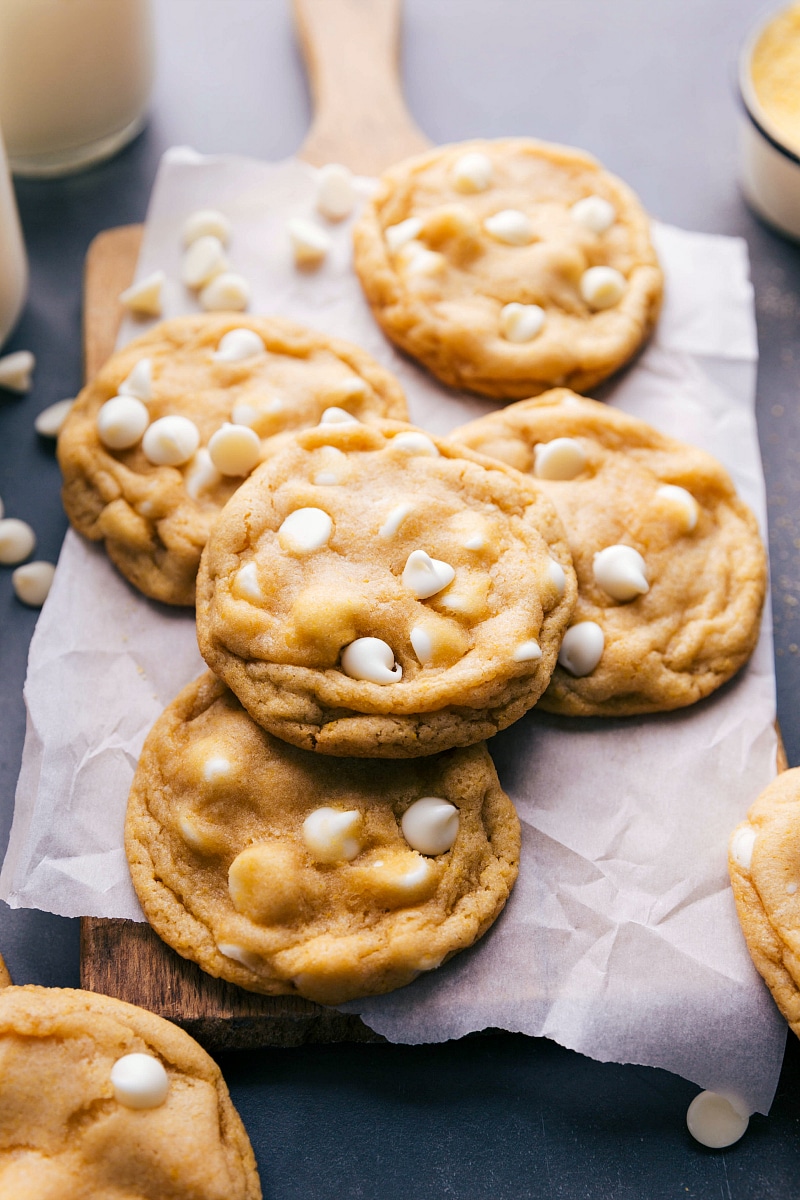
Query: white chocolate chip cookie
{"type": "Point", "coordinates": [507, 267]}
{"type": "Point", "coordinates": [288, 872]}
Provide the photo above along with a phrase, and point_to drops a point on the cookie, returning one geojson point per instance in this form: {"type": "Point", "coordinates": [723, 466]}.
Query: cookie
{"type": "Point", "coordinates": [764, 863]}
{"type": "Point", "coordinates": [671, 569]}
{"type": "Point", "coordinates": [165, 433]}
{"type": "Point", "coordinates": [371, 591]}
{"type": "Point", "coordinates": [286, 872]}
{"type": "Point", "coordinates": [103, 1099]}
{"type": "Point", "coordinates": [507, 267]}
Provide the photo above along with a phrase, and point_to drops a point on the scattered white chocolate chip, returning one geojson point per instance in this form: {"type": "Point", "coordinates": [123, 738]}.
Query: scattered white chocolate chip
{"type": "Point", "coordinates": [336, 193]}
{"type": "Point", "coordinates": [621, 572]}
{"type": "Point", "coordinates": [191, 834]}
{"type": "Point", "coordinates": [405, 231]}
{"type": "Point", "coordinates": [338, 416]}
{"type": "Point", "coordinates": [582, 648]}
{"type": "Point", "coordinates": [228, 292]}
{"type": "Point", "coordinates": [332, 835]}
{"type": "Point", "coordinates": [430, 825]}
{"type": "Point", "coordinates": [121, 422]}
{"type": "Point", "coordinates": [17, 541]}
{"type": "Point", "coordinates": [203, 261]}
{"type": "Point", "coordinates": [352, 388]}
{"type": "Point", "coordinates": [16, 371]}
{"type": "Point", "coordinates": [562, 458]}
{"type": "Point", "coordinates": [170, 441]}
{"type": "Point", "coordinates": [521, 322]}
{"type": "Point", "coordinates": [371, 660]}
{"type": "Point", "coordinates": [473, 172]}
{"type": "Point", "coordinates": [238, 344]}
{"type": "Point", "coordinates": [201, 475]}
{"type": "Point", "coordinates": [206, 222]}
{"type": "Point", "coordinates": [144, 297]}
{"type": "Point", "coordinates": [602, 287]}
{"type": "Point", "coordinates": [415, 443]}
{"type": "Point", "coordinates": [557, 576]}
{"type": "Point", "coordinates": [425, 576]}
{"type": "Point", "coordinates": [234, 449]}
{"type": "Point", "coordinates": [32, 581]}
{"type": "Point", "coordinates": [401, 878]}
{"type": "Point", "coordinates": [417, 259]}
{"type": "Point", "coordinates": [681, 502]}
{"type": "Point", "coordinates": [714, 1121]}
{"type": "Point", "coordinates": [791, 889]}
{"type": "Point", "coordinates": [139, 1081]}
{"type": "Point", "coordinates": [49, 421]}
{"type": "Point", "coordinates": [742, 844]}
{"type": "Point", "coordinates": [310, 244]}
{"type": "Point", "coordinates": [594, 213]}
{"type": "Point", "coordinates": [305, 530]}
{"type": "Point", "coordinates": [422, 644]}
{"type": "Point", "coordinates": [216, 768]}
{"type": "Point", "coordinates": [246, 583]}
{"type": "Point", "coordinates": [476, 542]}
{"type": "Point", "coordinates": [510, 226]}
{"type": "Point", "coordinates": [395, 519]}
{"type": "Point", "coordinates": [529, 651]}
{"type": "Point", "coordinates": [140, 381]}
{"type": "Point", "coordinates": [240, 954]}
{"type": "Point", "coordinates": [334, 470]}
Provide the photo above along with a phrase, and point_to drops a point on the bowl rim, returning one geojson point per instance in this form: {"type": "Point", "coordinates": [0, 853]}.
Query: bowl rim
{"type": "Point", "coordinates": [747, 92]}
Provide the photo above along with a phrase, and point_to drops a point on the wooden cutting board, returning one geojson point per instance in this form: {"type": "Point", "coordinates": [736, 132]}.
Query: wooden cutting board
{"type": "Point", "coordinates": [360, 119]}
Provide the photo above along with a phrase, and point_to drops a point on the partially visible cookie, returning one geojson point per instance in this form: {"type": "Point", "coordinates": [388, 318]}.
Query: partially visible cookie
{"type": "Point", "coordinates": [286, 872]}
{"type": "Point", "coordinates": [507, 267]}
{"type": "Point", "coordinates": [372, 591]}
{"type": "Point", "coordinates": [151, 491]}
{"type": "Point", "coordinates": [102, 1099]}
{"type": "Point", "coordinates": [671, 569]}
{"type": "Point", "coordinates": [764, 863]}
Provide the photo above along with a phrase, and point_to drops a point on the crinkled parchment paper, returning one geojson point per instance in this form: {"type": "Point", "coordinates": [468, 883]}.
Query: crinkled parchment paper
{"type": "Point", "coordinates": [620, 939]}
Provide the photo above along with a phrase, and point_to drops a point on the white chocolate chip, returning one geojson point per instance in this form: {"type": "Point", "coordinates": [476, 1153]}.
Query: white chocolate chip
{"type": "Point", "coordinates": [335, 469]}
{"type": "Point", "coordinates": [417, 259]}
{"type": "Point", "coordinates": [422, 644]}
{"type": "Point", "coordinates": [472, 172]}
{"type": "Point", "coordinates": [246, 583]}
{"type": "Point", "coordinates": [371, 660]}
{"type": "Point", "coordinates": [17, 541]}
{"type": "Point", "coordinates": [791, 889]}
{"type": "Point", "coordinates": [336, 193]}
{"type": "Point", "coordinates": [405, 231]}
{"type": "Point", "coordinates": [594, 213]}
{"type": "Point", "coordinates": [602, 287]}
{"type": "Point", "coordinates": [238, 344]}
{"type": "Point", "coordinates": [216, 769]}
{"type": "Point", "coordinates": [121, 422]}
{"type": "Point", "coordinates": [742, 843]}
{"type": "Point", "coordinates": [201, 475]}
{"type": "Point", "coordinates": [415, 443]}
{"type": "Point", "coordinates": [144, 297]}
{"type": "Point", "coordinates": [240, 954]}
{"type": "Point", "coordinates": [529, 651]}
{"type": "Point", "coordinates": [229, 292]}
{"type": "Point", "coordinates": [582, 648]}
{"type": "Point", "coordinates": [562, 458]}
{"type": "Point", "coordinates": [310, 244]}
{"type": "Point", "coordinates": [140, 381]}
{"type": "Point", "coordinates": [521, 322]}
{"type": "Point", "coordinates": [430, 825]}
{"type": "Point", "coordinates": [234, 449]}
{"type": "Point", "coordinates": [425, 576]}
{"type": "Point", "coordinates": [714, 1121]}
{"type": "Point", "coordinates": [476, 542]}
{"type": "Point", "coordinates": [510, 226]}
{"type": "Point", "coordinates": [203, 261]}
{"type": "Point", "coordinates": [191, 834]}
{"type": "Point", "coordinates": [305, 530]}
{"type": "Point", "coordinates": [32, 582]}
{"type": "Point", "coordinates": [49, 421]}
{"type": "Point", "coordinates": [171, 441]}
{"type": "Point", "coordinates": [352, 388]}
{"type": "Point", "coordinates": [621, 572]}
{"type": "Point", "coordinates": [395, 519]}
{"type": "Point", "coordinates": [206, 222]}
{"type": "Point", "coordinates": [139, 1081]}
{"type": "Point", "coordinates": [332, 835]}
{"type": "Point", "coordinates": [338, 416]}
{"type": "Point", "coordinates": [557, 576]}
{"type": "Point", "coordinates": [16, 371]}
{"type": "Point", "coordinates": [681, 502]}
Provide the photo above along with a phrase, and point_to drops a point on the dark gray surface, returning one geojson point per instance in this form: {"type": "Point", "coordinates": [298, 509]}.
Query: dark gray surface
{"type": "Point", "coordinates": [648, 86]}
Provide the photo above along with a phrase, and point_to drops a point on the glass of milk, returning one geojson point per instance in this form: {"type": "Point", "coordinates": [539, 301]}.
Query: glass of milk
{"type": "Point", "coordinates": [13, 263]}
{"type": "Point", "coordinates": [75, 80]}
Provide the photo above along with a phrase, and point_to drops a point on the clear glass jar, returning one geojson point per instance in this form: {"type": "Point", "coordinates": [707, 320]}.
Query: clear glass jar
{"type": "Point", "coordinates": [13, 262]}
{"type": "Point", "coordinates": [75, 80]}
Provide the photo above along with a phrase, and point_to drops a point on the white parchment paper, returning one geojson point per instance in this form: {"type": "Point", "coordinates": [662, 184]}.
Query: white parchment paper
{"type": "Point", "coordinates": [620, 939]}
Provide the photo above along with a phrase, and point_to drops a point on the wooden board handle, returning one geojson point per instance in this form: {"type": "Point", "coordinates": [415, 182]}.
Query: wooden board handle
{"type": "Point", "coordinates": [351, 53]}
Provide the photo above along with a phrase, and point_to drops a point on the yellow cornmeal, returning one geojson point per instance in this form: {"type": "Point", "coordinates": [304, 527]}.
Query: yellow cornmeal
{"type": "Point", "coordinates": [775, 71]}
